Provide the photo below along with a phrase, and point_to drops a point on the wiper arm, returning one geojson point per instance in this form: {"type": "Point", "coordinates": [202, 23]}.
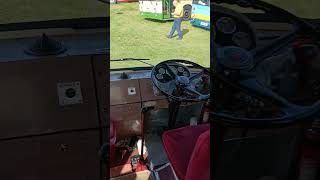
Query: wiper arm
{"type": "Point", "coordinates": [273, 47]}
{"type": "Point", "coordinates": [134, 59]}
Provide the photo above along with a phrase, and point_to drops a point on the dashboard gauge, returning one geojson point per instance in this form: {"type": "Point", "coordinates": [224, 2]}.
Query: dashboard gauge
{"type": "Point", "coordinates": [242, 40]}
{"type": "Point", "coordinates": [159, 76]}
{"type": "Point", "coordinates": [180, 69]}
{"type": "Point", "coordinates": [162, 71]}
{"type": "Point", "coordinates": [226, 25]}
{"type": "Point", "coordinates": [185, 73]}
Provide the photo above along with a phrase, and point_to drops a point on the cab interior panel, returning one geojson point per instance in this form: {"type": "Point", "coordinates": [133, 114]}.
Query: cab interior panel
{"type": "Point", "coordinates": [53, 106]}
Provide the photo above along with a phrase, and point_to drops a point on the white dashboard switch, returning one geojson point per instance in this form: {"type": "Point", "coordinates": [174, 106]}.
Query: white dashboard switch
{"type": "Point", "coordinates": [69, 93]}
{"type": "Point", "coordinates": [132, 91]}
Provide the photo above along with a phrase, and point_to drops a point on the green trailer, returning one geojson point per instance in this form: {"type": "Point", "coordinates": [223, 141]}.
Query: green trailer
{"type": "Point", "coordinates": [162, 9]}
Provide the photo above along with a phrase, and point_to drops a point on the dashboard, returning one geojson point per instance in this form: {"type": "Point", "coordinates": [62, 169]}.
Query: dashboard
{"type": "Point", "coordinates": [53, 106]}
{"type": "Point", "coordinates": [127, 96]}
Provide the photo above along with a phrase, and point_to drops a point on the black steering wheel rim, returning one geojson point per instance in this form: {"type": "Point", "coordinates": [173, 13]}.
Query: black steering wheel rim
{"type": "Point", "coordinates": [294, 113]}
{"type": "Point", "coordinates": [173, 97]}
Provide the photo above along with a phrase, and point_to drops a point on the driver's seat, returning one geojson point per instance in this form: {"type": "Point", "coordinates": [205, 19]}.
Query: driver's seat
{"type": "Point", "coordinates": [188, 150]}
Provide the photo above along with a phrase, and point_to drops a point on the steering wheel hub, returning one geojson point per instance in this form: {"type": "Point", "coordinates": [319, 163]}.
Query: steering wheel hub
{"type": "Point", "coordinates": [235, 58]}
{"type": "Point", "coordinates": [182, 80]}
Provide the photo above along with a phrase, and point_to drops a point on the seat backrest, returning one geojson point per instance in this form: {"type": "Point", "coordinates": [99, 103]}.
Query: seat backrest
{"type": "Point", "coordinates": [199, 163]}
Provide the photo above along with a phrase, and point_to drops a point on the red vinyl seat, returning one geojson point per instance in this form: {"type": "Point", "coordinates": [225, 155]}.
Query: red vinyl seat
{"type": "Point", "coordinates": [188, 150]}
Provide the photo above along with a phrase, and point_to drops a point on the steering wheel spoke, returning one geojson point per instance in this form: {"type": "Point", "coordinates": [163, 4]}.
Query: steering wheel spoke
{"type": "Point", "coordinates": [260, 54]}
{"type": "Point", "coordinates": [287, 108]}
{"type": "Point", "coordinates": [196, 76]}
{"type": "Point", "coordinates": [253, 86]}
{"type": "Point", "coordinates": [191, 89]}
{"type": "Point", "coordinates": [291, 112]}
{"type": "Point", "coordinates": [199, 95]}
{"type": "Point", "coordinates": [169, 70]}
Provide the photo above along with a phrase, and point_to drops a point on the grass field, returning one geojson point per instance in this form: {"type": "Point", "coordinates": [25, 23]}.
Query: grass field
{"type": "Point", "coordinates": [133, 36]}
{"type": "Point", "coordinates": [38, 10]}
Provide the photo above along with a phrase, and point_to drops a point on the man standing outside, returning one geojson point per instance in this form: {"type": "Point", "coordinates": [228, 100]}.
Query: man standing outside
{"type": "Point", "coordinates": [177, 14]}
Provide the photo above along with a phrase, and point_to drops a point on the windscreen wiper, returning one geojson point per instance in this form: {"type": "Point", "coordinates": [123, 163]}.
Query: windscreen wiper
{"type": "Point", "coordinates": [133, 59]}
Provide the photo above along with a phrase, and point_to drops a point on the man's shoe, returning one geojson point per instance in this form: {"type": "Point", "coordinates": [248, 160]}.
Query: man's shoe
{"type": "Point", "coordinates": [169, 37]}
{"type": "Point", "coordinates": [179, 38]}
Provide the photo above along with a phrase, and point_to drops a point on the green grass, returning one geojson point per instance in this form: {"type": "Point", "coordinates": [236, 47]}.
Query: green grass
{"type": "Point", "coordinates": [134, 36]}
{"type": "Point", "coordinates": [38, 10]}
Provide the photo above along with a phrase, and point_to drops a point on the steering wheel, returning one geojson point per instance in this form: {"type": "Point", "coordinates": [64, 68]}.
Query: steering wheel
{"type": "Point", "coordinates": [174, 80]}
{"type": "Point", "coordinates": [244, 62]}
